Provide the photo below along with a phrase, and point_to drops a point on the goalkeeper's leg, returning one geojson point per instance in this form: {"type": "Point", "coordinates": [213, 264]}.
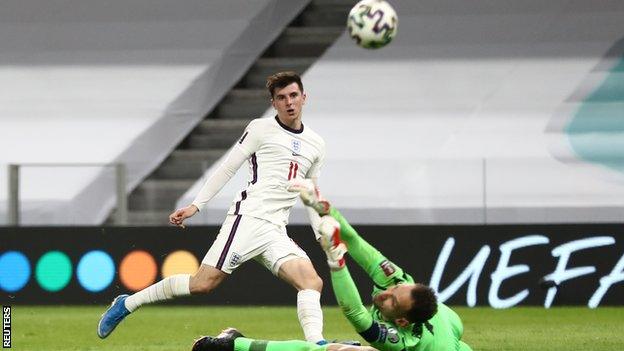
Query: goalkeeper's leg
{"type": "Point", "coordinates": [246, 344]}
{"type": "Point", "coordinates": [376, 265]}
{"type": "Point", "coordinates": [231, 339]}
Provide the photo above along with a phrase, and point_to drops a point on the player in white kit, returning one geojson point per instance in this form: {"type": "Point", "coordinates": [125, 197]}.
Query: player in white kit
{"type": "Point", "coordinates": [277, 150]}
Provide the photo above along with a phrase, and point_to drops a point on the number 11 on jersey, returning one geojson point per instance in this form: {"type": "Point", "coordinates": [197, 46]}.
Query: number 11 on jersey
{"type": "Point", "coordinates": [292, 172]}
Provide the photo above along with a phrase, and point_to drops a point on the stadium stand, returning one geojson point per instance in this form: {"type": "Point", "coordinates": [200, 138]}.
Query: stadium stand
{"type": "Point", "coordinates": [472, 115]}
{"type": "Point", "coordinates": [497, 112]}
{"type": "Point", "coordinates": [101, 82]}
{"type": "Point", "coordinates": [300, 44]}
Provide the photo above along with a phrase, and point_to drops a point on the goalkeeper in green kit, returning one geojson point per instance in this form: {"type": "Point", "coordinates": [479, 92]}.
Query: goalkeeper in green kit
{"type": "Point", "coordinates": [404, 316]}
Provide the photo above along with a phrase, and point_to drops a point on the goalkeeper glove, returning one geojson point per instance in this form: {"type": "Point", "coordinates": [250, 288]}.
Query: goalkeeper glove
{"type": "Point", "coordinates": [330, 242]}
{"type": "Point", "coordinates": [309, 194]}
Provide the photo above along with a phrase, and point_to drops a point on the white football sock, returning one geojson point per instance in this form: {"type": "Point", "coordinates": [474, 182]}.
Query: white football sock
{"type": "Point", "coordinates": [310, 314]}
{"type": "Point", "coordinates": [166, 289]}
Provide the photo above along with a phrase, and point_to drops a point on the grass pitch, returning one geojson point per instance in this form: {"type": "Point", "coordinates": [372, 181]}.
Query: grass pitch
{"type": "Point", "coordinates": [174, 328]}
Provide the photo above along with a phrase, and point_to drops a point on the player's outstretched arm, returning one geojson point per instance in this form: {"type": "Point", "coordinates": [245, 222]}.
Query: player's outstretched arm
{"type": "Point", "coordinates": [349, 300]}
{"type": "Point", "coordinates": [211, 187]}
{"type": "Point", "coordinates": [220, 177]}
{"type": "Point", "coordinates": [346, 293]}
{"type": "Point", "coordinates": [178, 216]}
{"type": "Point", "coordinates": [375, 332]}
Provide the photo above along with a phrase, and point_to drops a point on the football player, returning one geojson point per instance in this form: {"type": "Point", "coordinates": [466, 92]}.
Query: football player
{"type": "Point", "coordinates": [277, 150]}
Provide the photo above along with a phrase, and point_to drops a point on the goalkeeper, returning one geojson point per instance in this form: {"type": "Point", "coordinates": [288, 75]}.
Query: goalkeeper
{"type": "Point", "coordinates": [405, 315]}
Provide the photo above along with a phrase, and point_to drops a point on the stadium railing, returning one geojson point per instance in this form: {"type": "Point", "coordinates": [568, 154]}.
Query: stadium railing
{"type": "Point", "coordinates": [13, 213]}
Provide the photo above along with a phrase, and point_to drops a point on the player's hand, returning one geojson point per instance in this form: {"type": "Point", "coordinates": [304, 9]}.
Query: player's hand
{"type": "Point", "coordinates": [334, 248]}
{"type": "Point", "coordinates": [179, 215]}
{"type": "Point", "coordinates": [335, 256]}
{"type": "Point", "coordinates": [309, 194]}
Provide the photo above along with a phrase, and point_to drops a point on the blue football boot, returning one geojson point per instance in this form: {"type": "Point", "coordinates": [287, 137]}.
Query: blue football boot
{"type": "Point", "coordinates": [113, 316]}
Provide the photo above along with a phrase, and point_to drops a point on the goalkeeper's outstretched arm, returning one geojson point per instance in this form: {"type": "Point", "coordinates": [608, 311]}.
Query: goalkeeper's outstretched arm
{"type": "Point", "coordinates": [383, 272]}
{"type": "Point", "coordinates": [346, 293]}
{"type": "Point", "coordinates": [349, 300]}
{"type": "Point", "coordinates": [344, 288]}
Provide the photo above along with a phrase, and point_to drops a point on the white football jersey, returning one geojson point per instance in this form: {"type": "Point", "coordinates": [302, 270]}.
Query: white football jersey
{"type": "Point", "coordinates": [276, 154]}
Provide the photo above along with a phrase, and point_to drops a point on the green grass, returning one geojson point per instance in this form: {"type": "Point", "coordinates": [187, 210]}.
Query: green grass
{"type": "Point", "coordinates": [173, 328]}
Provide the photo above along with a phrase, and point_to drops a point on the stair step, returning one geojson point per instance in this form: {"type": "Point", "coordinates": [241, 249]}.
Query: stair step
{"type": "Point", "coordinates": [191, 155]}
{"type": "Point", "coordinates": [181, 170]}
{"type": "Point", "coordinates": [325, 16]}
{"type": "Point", "coordinates": [242, 110]}
{"type": "Point", "coordinates": [343, 4]}
{"type": "Point", "coordinates": [282, 63]}
{"type": "Point", "coordinates": [248, 94]}
{"type": "Point", "coordinates": [158, 194]}
{"type": "Point", "coordinates": [304, 41]}
{"type": "Point", "coordinates": [216, 126]}
{"type": "Point", "coordinates": [155, 185]}
{"type": "Point", "coordinates": [150, 218]}
{"type": "Point", "coordinates": [188, 164]}
{"type": "Point", "coordinates": [297, 49]}
{"type": "Point", "coordinates": [244, 103]}
{"type": "Point", "coordinates": [257, 75]}
{"type": "Point", "coordinates": [312, 34]}
{"type": "Point", "coordinates": [211, 141]}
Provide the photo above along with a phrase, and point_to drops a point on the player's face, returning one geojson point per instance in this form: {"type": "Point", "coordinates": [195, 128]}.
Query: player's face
{"type": "Point", "coordinates": [395, 301]}
{"type": "Point", "coordinates": [288, 102]}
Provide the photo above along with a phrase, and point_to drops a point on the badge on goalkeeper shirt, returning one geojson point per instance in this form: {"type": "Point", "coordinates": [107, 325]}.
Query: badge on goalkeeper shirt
{"type": "Point", "coordinates": [387, 267]}
{"type": "Point", "coordinates": [393, 335]}
{"type": "Point", "coordinates": [388, 334]}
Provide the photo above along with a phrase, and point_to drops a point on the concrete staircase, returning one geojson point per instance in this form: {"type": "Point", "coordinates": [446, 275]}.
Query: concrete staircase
{"type": "Point", "coordinates": [297, 48]}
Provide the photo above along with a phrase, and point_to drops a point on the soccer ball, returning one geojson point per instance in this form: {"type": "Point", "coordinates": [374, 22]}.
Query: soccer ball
{"type": "Point", "coordinates": [372, 23]}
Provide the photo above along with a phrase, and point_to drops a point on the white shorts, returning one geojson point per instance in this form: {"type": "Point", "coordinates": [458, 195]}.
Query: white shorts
{"type": "Point", "coordinates": [242, 238]}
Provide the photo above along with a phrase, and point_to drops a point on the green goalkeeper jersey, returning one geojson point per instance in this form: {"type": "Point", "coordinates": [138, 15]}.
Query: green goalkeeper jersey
{"type": "Point", "coordinates": [441, 333]}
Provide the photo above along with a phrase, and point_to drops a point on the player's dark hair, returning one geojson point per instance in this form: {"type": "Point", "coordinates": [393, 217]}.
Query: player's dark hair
{"type": "Point", "coordinates": [425, 304]}
{"type": "Point", "coordinates": [281, 80]}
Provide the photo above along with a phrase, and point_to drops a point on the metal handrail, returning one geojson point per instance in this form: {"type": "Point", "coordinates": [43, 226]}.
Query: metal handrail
{"type": "Point", "coordinates": [13, 214]}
